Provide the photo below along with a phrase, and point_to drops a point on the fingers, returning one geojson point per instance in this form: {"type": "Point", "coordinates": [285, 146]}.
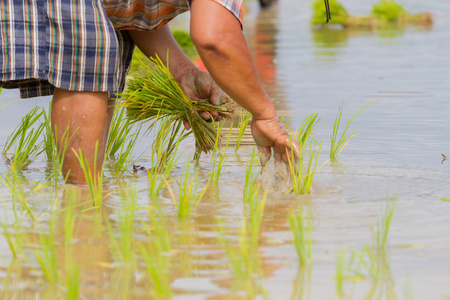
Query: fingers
{"type": "Point", "coordinates": [207, 116]}
{"type": "Point", "coordinates": [265, 154]}
{"type": "Point", "coordinates": [215, 94]}
{"type": "Point", "coordinates": [186, 124]}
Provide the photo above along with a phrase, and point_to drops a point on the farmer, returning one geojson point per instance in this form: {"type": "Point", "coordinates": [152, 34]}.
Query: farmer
{"type": "Point", "coordinates": [80, 51]}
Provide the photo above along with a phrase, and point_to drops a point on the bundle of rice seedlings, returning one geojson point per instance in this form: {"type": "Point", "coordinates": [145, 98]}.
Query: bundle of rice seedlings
{"type": "Point", "coordinates": [155, 95]}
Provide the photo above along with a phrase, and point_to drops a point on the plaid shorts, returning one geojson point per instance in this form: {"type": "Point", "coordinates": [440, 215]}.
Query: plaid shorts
{"type": "Point", "coordinates": [77, 45]}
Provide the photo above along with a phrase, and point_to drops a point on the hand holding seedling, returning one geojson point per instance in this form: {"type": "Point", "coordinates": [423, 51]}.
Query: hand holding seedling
{"type": "Point", "coordinates": [270, 133]}
{"type": "Point", "coordinates": [198, 84]}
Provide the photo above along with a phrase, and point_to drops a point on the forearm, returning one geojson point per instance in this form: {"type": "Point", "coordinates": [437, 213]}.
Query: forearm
{"type": "Point", "coordinates": [219, 40]}
{"type": "Point", "coordinates": [159, 42]}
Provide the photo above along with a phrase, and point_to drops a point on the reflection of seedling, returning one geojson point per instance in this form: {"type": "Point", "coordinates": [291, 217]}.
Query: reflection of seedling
{"type": "Point", "coordinates": [302, 237]}
{"type": "Point", "coordinates": [156, 257]}
{"type": "Point", "coordinates": [14, 184]}
{"type": "Point", "coordinates": [24, 138]}
{"type": "Point", "coordinates": [372, 262]}
{"type": "Point", "coordinates": [245, 257]}
{"type": "Point", "coordinates": [123, 246]}
{"type": "Point", "coordinates": [337, 145]}
{"type": "Point", "coordinates": [46, 255]}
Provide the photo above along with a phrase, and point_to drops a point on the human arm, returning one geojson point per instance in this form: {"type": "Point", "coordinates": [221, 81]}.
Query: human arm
{"type": "Point", "coordinates": [218, 38]}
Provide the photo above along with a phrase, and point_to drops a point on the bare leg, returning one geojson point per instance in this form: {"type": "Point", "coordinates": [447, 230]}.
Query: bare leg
{"type": "Point", "coordinates": [86, 115]}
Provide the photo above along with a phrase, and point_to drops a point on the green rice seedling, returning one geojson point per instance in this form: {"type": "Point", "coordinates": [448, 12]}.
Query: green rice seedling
{"type": "Point", "coordinates": [24, 140]}
{"type": "Point", "coordinates": [49, 140]}
{"type": "Point", "coordinates": [251, 186]}
{"type": "Point", "coordinates": [218, 157]}
{"type": "Point", "coordinates": [58, 155]}
{"type": "Point", "coordinates": [188, 198]}
{"type": "Point", "coordinates": [302, 174]}
{"type": "Point", "coordinates": [94, 176]}
{"type": "Point", "coordinates": [302, 238]}
{"type": "Point", "coordinates": [244, 120]}
{"type": "Point", "coordinates": [389, 10]}
{"type": "Point", "coordinates": [123, 246]}
{"type": "Point", "coordinates": [306, 128]}
{"type": "Point", "coordinates": [120, 132]}
{"type": "Point", "coordinates": [156, 95]}
{"type": "Point", "coordinates": [338, 144]}
{"type": "Point", "coordinates": [163, 163]}
{"type": "Point", "coordinates": [122, 141]}
{"type": "Point", "coordinates": [382, 229]}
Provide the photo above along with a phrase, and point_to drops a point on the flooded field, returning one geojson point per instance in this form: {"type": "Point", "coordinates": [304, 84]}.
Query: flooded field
{"type": "Point", "coordinates": [373, 226]}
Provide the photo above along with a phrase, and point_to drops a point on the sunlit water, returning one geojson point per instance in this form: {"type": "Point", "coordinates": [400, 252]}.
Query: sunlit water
{"type": "Point", "coordinates": [401, 137]}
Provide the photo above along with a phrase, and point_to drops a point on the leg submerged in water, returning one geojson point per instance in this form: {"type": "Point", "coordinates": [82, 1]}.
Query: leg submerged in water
{"type": "Point", "coordinates": [87, 115]}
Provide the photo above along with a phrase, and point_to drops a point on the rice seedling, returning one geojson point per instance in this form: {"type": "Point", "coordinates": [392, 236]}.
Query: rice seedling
{"type": "Point", "coordinates": [49, 141]}
{"type": "Point", "coordinates": [251, 187]}
{"type": "Point", "coordinates": [389, 10]}
{"type": "Point", "coordinates": [93, 176]}
{"type": "Point", "coordinates": [24, 139]}
{"type": "Point", "coordinates": [156, 95]}
{"type": "Point", "coordinates": [244, 120]}
{"type": "Point", "coordinates": [218, 157]}
{"type": "Point", "coordinates": [302, 237]}
{"type": "Point", "coordinates": [163, 163]}
{"type": "Point", "coordinates": [188, 198]}
{"type": "Point", "coordinates": [337, 145]}
{"type": "Point", "coordinates": [340, 14]}
{"type": "Point", "coordinates": [302, 173]}
{"type": "Point", "coordinates": [123, 246]}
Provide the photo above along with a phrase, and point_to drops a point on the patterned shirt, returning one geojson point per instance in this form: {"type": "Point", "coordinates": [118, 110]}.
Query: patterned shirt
{"type": "Point", "coordinates": [77, 45]}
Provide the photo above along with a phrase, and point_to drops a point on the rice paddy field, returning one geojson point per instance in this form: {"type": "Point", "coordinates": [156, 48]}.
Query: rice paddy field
{"type": "Point", "coordinates": [370, 222]}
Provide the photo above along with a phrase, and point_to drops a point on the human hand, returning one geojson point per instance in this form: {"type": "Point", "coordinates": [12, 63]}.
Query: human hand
{"type": "Point", "coordinates": [197, 85]}
{"type": "Point", "coordinates": [270, 133]}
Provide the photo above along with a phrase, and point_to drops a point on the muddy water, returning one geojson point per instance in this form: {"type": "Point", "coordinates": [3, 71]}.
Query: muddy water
{"type": "Point", "coordinates": [401, 137]}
